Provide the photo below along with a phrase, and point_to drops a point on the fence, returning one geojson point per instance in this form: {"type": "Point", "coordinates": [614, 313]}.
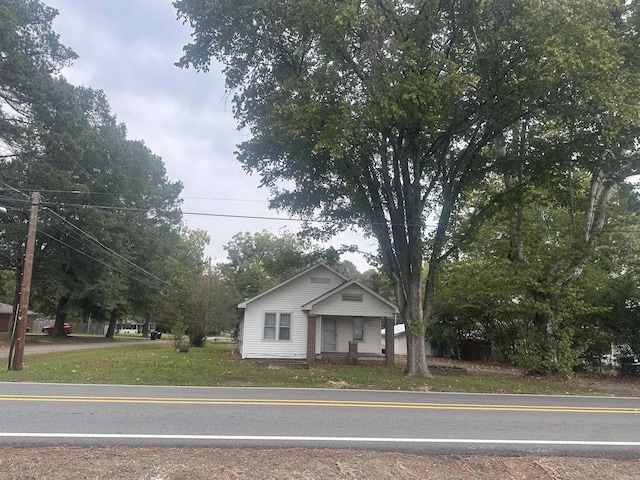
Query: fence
{"type": "Point", "coordinates": [93, 328]}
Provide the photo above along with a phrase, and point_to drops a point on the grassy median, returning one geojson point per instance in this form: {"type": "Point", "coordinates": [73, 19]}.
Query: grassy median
{"type": "Point", "coordinates": [217, 364]}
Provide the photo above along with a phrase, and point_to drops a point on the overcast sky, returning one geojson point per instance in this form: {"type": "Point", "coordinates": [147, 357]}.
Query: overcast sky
{"type": "Point", "coordinates": [128, 48]}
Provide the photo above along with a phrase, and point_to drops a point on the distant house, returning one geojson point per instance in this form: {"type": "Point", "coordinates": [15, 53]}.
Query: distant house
{"type": "Point", "coordinates": [6, 314]}
{"type": "Point", "coordinates": [316, 315]}
{"type": "Point", "coordinates": [400, 341]}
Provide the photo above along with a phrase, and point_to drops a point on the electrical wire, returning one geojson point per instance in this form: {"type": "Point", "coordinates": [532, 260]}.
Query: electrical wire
{"type": "Point", "coordinates": [81, 192]}
{"type": "Point", "coordinates": [62, 242]}
{"type": "Point", "coordinates": [113, 252]}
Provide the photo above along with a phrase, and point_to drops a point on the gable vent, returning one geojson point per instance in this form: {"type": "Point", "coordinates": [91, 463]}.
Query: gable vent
{"type": "Point", "coordinates": [322, 280]}
{"type": "Point", "coordinates": [351, 297]}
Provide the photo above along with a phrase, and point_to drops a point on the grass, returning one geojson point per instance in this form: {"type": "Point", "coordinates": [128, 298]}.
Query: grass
{"type": "Point", "coordinates": [215, 364]}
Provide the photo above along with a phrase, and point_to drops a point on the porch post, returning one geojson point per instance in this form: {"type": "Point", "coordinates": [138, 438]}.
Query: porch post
{"type": "Point", "coordinates": [311, 338]}
{"type": "Point", "coordinates": [389, 344]}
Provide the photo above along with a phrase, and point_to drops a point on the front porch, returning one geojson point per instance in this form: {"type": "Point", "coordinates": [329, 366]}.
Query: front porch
{"type": "Point", "coordinates": [319, 349]}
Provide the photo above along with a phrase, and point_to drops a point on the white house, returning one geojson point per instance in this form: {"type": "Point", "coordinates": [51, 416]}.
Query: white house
{"type": "Point", "coordinates": [317, 315]}
{"type": "Point", "coordinates": [399, 339]}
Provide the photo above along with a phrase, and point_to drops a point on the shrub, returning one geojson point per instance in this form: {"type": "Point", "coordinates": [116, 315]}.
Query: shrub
{"type": "Point", "coordinates": [179, 339]}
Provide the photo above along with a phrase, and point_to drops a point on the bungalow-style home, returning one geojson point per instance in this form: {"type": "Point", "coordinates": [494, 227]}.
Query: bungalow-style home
{"type": "Point", "coordinates": [6, 316]}
{"type": "Point", "coordinates": [317, 315]}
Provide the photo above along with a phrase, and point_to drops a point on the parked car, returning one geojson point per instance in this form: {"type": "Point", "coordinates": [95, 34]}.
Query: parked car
{"type": "Point", "coordinates": [68, 329]}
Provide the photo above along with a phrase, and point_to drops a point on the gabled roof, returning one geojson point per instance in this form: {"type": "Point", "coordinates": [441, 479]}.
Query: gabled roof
{"type": "Point", "coordinates": [275, 287]}
{"type": "Point", "coordinates": [309, 305]}
{"type": "Point", "coordinates": [8, 308]}
{"type": "Point", "coordinates": [397, 329]}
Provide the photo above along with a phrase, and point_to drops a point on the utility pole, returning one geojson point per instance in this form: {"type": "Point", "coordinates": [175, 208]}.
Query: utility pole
{"type": "Point", "coordinates": [20, 325]}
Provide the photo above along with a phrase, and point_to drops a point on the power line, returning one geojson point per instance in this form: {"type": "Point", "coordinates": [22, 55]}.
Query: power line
{"type": "Point", "coordinates": [81, 192]}
{"type": "Point", "coordinates": [282, 219]}
{"type": "Point", "coordinates": [113, 252]}
{"type": "Point", "coordinates": [62, 242]}
{"type": "Point", "coordinates": [261, 217]}
{"type": "Point", "coordinates": [206, 214]}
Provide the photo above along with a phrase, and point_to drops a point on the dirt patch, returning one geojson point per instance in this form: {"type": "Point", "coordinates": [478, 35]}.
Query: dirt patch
{"type": "Point", "coordinates": [340, 384]}
{"type": "Point", "coordinates": [196, 464]}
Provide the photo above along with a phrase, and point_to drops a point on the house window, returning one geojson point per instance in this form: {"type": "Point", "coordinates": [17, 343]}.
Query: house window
{"type": "Point", "coordinates": [351, 297]}
{"type": "Point", "coordinates": [285, 327]}
{"type": "Point", "coordinates": [269, 326]}
{"type": "Point", "coordinates": [277, 326]}
{"type": "Point", "coordinates": [358, 329]}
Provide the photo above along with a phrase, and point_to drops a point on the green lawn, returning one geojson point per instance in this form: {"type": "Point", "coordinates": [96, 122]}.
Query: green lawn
{"type": "Point", "coordinates": [215, 364]}
{"type": "Point", "coordinates": [44, 339]}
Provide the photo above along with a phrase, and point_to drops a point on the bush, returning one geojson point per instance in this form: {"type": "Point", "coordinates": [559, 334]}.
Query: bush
{"type": "Point", "coordinates": [628, 367]}
{"type": "Point", "coordinates": [548, 354]}
{"type": "Point", "coordinates": [179, 339]}
{"type": "Point", "coordinates": [197, 337]}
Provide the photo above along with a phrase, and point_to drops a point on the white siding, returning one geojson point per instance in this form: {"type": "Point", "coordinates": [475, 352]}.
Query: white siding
{"type": "Point", "coordinates": [400, 344]}
{"type": "Point", "coordinates": [370, 344]}
{"type": "Point", "coordinates": [286, 299]}
{"type": "Point", "coordinates": [370, 306]}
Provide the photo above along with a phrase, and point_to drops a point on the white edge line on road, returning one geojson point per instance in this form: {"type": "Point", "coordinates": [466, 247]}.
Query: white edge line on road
{"type": "Point", "coordinates": [285, 438]}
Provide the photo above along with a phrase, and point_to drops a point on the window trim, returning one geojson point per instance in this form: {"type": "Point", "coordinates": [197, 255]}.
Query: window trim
{"type": "Point", "coordinates": [265, 326]}
{"type": "Point", "coordinates": [353, 329]}
{"type": "Point", "coordinates": [277, 326]}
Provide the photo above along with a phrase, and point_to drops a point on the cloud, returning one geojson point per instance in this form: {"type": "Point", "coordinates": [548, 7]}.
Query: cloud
{"type": "Point", "coordinates": [128, 49]}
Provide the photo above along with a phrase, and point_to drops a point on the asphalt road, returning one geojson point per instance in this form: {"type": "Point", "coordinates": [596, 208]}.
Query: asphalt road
{"type": "Point", "coordinates": [433, 423]}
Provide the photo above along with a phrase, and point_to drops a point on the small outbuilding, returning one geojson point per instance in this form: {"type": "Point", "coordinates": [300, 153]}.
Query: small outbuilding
{"type": "Point", "coordinates": [6, 316]}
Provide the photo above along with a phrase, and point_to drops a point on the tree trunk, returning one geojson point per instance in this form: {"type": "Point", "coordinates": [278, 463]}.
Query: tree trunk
{"type": "Point", "coordinates": [61, 317]}
{"type": "Point", "coordinates": [113, 321]}
{"type": "Point", "coordinates": [145, 327]}
{"type": "Point", "coordinates": [415, 331]}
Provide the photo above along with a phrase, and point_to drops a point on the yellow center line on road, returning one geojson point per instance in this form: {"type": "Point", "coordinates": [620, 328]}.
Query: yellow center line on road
{"type": "Point", "coordinates": [315, 403]}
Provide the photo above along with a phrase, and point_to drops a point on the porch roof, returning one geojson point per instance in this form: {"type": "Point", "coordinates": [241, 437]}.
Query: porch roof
{"type": "Point", "coordinates": [389, 307]}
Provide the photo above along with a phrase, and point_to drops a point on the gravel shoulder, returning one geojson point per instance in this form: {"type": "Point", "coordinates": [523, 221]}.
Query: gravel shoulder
{"type": "Point", "coordinates": [195, 464]}
{"type": "Point", "coordinates": [48, 348]}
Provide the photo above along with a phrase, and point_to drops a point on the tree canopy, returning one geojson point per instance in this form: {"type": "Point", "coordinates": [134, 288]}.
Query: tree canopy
{"type": "Point", "coordinates": [109, 214]}
{"type": "Point", "coordinates": [388, 114]}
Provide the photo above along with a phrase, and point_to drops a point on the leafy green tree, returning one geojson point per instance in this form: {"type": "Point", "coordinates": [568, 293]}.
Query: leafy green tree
{"type": "Point", "coordinates": [378, 282]}
{"type": "Point", "coordinates": [30, 55]}
{"type": "Point", "coordinates": [485, 293]}
{"type": "Point", "coordinates": [109, 214]}
{"type": "Point", "coordinates": [383, 113]}
{"type": "Point", "coordinates": [259, 261]}
{"type": "Point", "coordinates": [198, 300]}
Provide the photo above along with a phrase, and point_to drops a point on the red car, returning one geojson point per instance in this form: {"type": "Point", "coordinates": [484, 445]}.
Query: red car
{"type": "Point", "coordinates": [49, 329]}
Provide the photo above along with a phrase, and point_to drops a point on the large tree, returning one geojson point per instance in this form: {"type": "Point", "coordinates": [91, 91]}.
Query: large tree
{"type": "Point", "coordinates": [381, 112]}
{"type": "Point", "coordinates": [108, 211]}
{"type": "Point", "coordinates": [199, 299]}
{"type": "Point", "coordinates": [258, 261]}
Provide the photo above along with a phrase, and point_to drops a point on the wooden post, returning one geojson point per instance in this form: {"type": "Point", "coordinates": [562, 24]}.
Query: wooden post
{"type": "Point", "coordinates": [20, 328]}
